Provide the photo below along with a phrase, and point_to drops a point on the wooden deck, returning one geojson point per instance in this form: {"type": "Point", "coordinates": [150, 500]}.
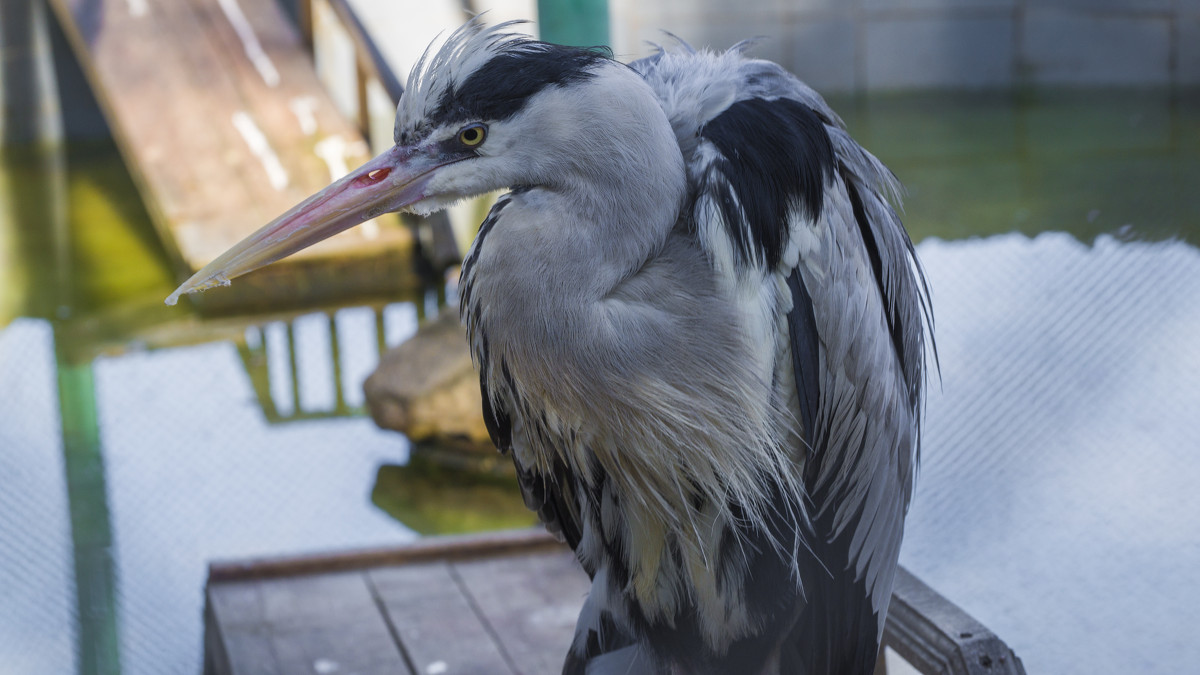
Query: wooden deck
{"type": "Point", "coordinates": [497, 604]}
{"type": "Point", "coordinates": [216, 107]}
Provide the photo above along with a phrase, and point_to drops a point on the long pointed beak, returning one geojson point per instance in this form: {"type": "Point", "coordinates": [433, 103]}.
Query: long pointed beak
{"type": "Point", "coordinates": [391, 181]}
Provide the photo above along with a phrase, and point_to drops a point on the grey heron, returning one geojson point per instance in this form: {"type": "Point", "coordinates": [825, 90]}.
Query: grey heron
{"type": "Point", "coordinates": [700, 330]}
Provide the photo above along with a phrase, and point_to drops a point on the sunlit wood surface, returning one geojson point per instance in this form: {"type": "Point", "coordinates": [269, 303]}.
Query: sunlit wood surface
{"type": "Point", "coordinates": [217, 109]}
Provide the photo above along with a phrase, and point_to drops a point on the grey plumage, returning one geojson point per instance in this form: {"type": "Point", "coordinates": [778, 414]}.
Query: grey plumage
{"type": "Point", "coordinates": [700, 330]}
{"type": "Point", "coordinates": [627, 452]}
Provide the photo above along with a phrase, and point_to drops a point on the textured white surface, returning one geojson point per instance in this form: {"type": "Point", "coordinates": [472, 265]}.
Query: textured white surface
{"type": "Point", "coordinates": [1056, 500]}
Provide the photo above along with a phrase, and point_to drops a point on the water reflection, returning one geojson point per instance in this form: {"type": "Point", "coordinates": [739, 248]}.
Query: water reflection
{"type": "Point", "coordinates": [138, 442]}
{"type": "Point", "coordinates": [434, 497]}
{"type": "Point", "coordinates": [338, 349]}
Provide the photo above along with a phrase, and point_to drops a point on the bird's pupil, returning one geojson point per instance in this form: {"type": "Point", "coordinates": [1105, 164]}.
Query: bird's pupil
{"type": "Point", "coordinates": [471, 135]}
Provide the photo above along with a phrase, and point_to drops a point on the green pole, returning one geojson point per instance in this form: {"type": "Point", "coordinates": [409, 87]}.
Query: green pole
{"type": "Point", "coordinates": [582, 23]}
{"type": "Point", "coordinates": [91, 528]}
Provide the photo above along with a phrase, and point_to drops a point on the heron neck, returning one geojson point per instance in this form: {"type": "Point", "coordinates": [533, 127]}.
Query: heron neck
{"type": "Point", "coordinates": [613, 181]}
{"type": "Point", "coordinates": [626, 215]}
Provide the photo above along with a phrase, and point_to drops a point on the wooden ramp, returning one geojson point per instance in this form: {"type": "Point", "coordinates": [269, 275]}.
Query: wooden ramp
{"type": "Point", "coordinates": [216, 107]}
{"type": "Point", "coordinates": [502, 604]}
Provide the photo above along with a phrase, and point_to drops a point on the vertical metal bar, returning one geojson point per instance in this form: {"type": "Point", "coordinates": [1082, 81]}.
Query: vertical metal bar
{"type": "Point", "coordinates": [304, 15]}
{"type": "Point", "coordinates": [258, 368]}
{"type": "Point", "coordinates": [28, 93]}
{"type": "Point", "coordinates": [91, 527]}
{"type": "Point", "coordinates": [295, 368]}
{"type": "Point", "coordinates": [361, 75]}
{"type": "Point", "coordinates": [335, 353]}
{"type": "Point", "coordinates": [96, 615]}
{"type": "Point", "coordinates": [380, 332]}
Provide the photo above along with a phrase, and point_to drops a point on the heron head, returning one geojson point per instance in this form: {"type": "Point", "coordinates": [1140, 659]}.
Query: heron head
{"type": "Point", "coordinates": [484, 112]}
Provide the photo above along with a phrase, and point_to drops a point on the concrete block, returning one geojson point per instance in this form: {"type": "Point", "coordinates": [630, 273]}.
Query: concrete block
{"type": "Point", "coordinates": [939, 52]}
{"type": "Point", "coordinates": [1188, 56]}
{"type": "Point", "coordinates": [1070, 48]}
{"type": "Point", "coordinates": [823, 7]}
{"type": "Point", "coordinates": [720, 32]}
{"type": "Point", "coordinates": [679, 9]}
{"type": "Point", "coordinates": [1090, 6]}
{"type": "Point", "coordinates": [823, 54]}
{"type": "Point", "coordinates": [939, 5]}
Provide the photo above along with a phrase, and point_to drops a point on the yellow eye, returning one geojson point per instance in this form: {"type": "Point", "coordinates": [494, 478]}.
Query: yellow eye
{"type": "Point", "coordinates": [472, 135]}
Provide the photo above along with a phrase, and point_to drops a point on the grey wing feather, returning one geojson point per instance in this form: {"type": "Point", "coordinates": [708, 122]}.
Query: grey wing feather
{"type": "Point", "coordinates": [856, 306]}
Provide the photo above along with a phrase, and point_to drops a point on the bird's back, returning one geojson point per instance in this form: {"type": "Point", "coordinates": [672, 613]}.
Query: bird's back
{"type": "Point", "coordinates": [796, 220]}
{"type": "Point", "coordinates": [724, 426]}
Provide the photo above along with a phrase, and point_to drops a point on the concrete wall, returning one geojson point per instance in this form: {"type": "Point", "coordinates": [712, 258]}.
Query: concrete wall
{"type": "Point", "coordinates": [857, 45]}
{"type": "Point", "coordinates": [835, 45]}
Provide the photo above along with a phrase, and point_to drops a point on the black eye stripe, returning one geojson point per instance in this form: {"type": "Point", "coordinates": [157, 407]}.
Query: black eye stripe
{"type": "Point", "coordinates": [502, 85]}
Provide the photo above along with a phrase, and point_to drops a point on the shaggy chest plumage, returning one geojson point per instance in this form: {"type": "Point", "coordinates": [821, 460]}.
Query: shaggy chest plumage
{"type": "Point", "coordinates": [596, 399]}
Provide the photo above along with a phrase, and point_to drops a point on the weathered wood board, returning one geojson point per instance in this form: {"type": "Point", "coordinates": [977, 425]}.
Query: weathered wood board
{"type": "Point", "coordinates": [503, 603]}
{"type": "Point", "coordinates": [296, 625]}
{"type": "Point", "coordinates": [216, 107]}
{"type": "Point", "coordinates": [500, 604]}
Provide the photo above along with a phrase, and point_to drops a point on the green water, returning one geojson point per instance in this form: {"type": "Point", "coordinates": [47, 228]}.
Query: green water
{"type": "Point", "coordinates": [1083, 162]}
{"type": "Point", "coordinates": [78, 241]}
{"type": "Point", "coordinates": [138, 441]}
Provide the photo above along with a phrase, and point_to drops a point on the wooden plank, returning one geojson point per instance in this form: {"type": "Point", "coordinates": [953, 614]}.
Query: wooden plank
{"type": "Point", "coordinates": [463, 547]}
{"type": "Point", "coordinates": [937, 636]}
{"type": "Point", "coordinates": [435, 623]}
{"type": "Point", "coordinates": [201, 95]}
{"type": "Point", "coordinates": [494, 603]}
{"type": "Point", "coordinates": [289, 114]}
{"type": "Point", "coordinates": [327, 623]}
{"type": "Point", "coordinates": [356, 646]}
{"type": "Point", "coordinates": [164, 106]}
{"type": "Point", "coordinates": [531, 604]}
